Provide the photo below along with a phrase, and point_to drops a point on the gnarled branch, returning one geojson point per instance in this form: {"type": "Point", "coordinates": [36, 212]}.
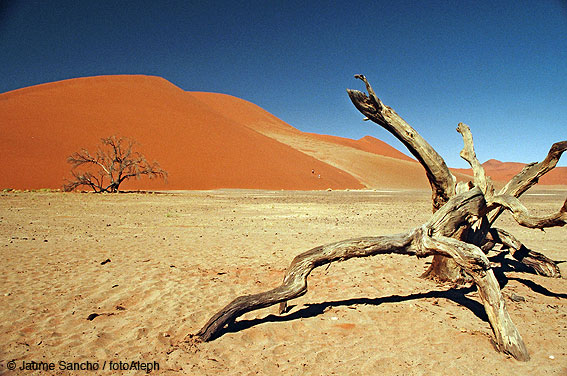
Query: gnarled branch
{"type": "Point", "coordinates": [295, 281]}
{"type": "Point", "coordinates": [429, 239]}
{"type": "Point", "coordinates": [523, 217]}
{"type": "Point", "coordinates": [440, 177]}
{"type": "Point", "coordinates": [530, 175]}
{"type": "Point", "coordinates": [536, 261]}
{"type": "Point", "coordinates": [481, 180]}
{"type": "Point", "coordinates": [441, 180]}
{"type": "Point", "coordinates": [476, 264]}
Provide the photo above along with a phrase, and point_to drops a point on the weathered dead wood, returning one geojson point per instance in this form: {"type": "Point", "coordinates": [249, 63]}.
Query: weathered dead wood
{"type": "Point", "coordinates": [481, 180]}
{"type": "Point", "coordinates": [476, 264]}
{"type": "Point", "coordinates": [481, 228]}
{"type": "Point", "coordinates": [524, 180]}
{"type": "Point", "coordinates": [295, 281]}
{"type": "Point", "coordinates": [530, 175]}
{"type": "Point", "coordinates": [441, 180]}
{"type": "Point", "coordinates": [432, 238]}
{"type": "Point", "coordinates": [440, 177]}
{"type": "Point", "coordinates": [523, 217]}
{"type": "Point", "coordinates": [458, 228]}
{"type": "Point", "coordinates": [443, 268]}
{"type": "Point", "coordinates": [536, 261]}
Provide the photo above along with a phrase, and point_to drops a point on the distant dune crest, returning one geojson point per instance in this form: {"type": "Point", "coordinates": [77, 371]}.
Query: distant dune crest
{"type": "Point", "coordinates": [203, 140]}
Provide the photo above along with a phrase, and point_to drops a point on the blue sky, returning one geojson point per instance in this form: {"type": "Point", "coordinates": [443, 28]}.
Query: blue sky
{"type": "Point", "coordinates": [498, 65]}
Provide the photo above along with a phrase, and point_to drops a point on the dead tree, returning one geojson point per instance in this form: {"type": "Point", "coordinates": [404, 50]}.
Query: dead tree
{"type": "Point", "coordinates": [459, 229]}
{"type": "Point", "coordinates": [113, 163]}
{"type": "Point", "coordinates": [443, 183]}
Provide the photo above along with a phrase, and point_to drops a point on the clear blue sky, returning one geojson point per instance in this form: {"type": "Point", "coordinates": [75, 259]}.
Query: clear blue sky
{"type": "Point", "coordinates": [498, 65]}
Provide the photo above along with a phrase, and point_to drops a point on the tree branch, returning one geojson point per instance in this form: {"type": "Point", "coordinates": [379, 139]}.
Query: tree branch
{"type": "Point", "coordinates": [295, 282]}
{"type": "Point", "coordinates": [429, 239]}
{"type": "Point", "coordinates": [468, 154]}
{"type": "Point", "coordinates": [523, 217]}
{"type": "Point", "coordinates": [530, 175]}
{"type": "Point", "coordinates": [440, 178]}
{"type": "Point", "coordinates": [536, 261]}
{"type": "Point", "coordinates": [476, 264]}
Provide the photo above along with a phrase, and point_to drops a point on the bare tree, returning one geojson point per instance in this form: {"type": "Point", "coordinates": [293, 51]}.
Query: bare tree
{"type": "Point", "coordinates": [460, 230]}
{"type": "Point", "coordinates": [443, 186]}
{"type": "Point", "coordinates": [113, 163]}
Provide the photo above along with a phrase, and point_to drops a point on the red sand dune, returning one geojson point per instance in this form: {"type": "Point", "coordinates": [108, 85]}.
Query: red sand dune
{"type": "Point", "coordinates": [203, 140]}
{"type": "Point", "coordinates": [258, 119]}
{"type": "Point", "coordinates": [199, 147]}
{"type": "Point", "coordinates": [373, 162]}
{"type": "Point", "coordinates": [368, 144]}
{"type": "Point", "coordinates": [503, 171]}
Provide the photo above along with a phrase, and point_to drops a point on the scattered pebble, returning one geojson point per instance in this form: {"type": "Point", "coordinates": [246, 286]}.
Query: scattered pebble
{"type": "Point", "coordinates": [92, 316]}
{"type": "Point", "coordinates": [516, 298]}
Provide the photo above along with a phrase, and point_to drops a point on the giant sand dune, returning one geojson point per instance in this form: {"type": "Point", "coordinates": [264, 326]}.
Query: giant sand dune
{"type": "Point", "coordinates": [204, 140]}
{"type": "Point", "coordinates": [199, 147]}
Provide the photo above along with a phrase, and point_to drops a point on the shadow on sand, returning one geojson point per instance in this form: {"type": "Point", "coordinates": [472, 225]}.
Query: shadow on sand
{"type": "Point", "coordinates": [457, 295]}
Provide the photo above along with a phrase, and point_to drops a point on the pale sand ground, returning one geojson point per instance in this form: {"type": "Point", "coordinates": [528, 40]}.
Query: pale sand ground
{"type": "Point", "coordinates": [178, 258]}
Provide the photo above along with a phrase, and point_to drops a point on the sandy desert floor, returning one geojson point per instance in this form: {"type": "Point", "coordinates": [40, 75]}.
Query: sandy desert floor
{"type": "Point", "coordinates": [148, 269]}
